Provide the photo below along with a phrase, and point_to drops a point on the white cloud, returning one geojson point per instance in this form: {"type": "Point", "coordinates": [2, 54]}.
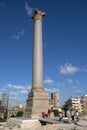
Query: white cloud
{"type": "Point", "coordinates": [17, 93]}
{"type": "Point", "coordinates": [18, 87]}
{"type": "Point", "coordinates": [52, 90]}
{"type": "Point", "coordinates": [68, 69]}
{"type": "Point", "coordinates": [3, 5]}
{"type": "Point", "coordinates": [78, 91]}
{"type": "Point", "coordinates": [13, 98]}
{"type": "Point", "coordinates": [48, 81]}
{"type": "Point", "coordinates": [18, 35]}
{"type": "Point", "coordinates": [13, 94]}
{"type": "Point", "coordinates": [28, 9]}
{"type": "Point", "coordinates": [69, 81]}
{"type": "Point", "coordinates": [3, 89]}
{"type": "Point", "coordinates": [23, 92]}
{"type": "Point", "coordinates": [75, 82]}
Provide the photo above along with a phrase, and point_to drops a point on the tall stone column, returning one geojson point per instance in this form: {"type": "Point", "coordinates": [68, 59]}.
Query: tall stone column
{"type": "Point", "coordinates": [37, 101]}
{"type": "Point", "coordinates": [37, 75]}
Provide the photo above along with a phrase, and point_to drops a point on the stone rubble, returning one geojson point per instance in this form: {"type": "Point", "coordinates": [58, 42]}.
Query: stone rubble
{"type": "Point", "coordinates": [80, 125]}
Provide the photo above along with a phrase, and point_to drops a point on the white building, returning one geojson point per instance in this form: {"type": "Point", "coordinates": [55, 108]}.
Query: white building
{"type": "Point", "coordinates": [74, 103]}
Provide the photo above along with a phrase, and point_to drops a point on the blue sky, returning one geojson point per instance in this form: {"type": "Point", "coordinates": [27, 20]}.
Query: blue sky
{"type": "Point", "coordinates": [64, 47]}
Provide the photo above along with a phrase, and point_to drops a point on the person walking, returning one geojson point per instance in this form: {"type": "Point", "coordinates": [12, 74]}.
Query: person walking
{"type": "Point", "coordinates": [77, 115]}
{"type": "Point", "coordinates": [68, 115]}
{"type": "Point", "coordinates": [72, 114]}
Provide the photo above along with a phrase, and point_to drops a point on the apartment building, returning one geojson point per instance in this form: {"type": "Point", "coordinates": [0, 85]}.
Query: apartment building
{"type": "Point", "coordinates": [84, 103]}
{"type": "Point", "coordinates": [74, 103]}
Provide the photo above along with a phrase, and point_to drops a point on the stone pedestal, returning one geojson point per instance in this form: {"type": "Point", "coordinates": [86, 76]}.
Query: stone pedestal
{"type": "Point", "coordinates": [37, 103]}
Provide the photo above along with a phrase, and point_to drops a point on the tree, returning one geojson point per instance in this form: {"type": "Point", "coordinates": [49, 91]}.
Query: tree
{"type": "Point", "coordinates": [56, 113]}
{"type": "Point", "coordinates": [20, 114]}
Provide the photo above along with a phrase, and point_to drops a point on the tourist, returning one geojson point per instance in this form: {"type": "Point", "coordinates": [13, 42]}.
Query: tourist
{"type": "Point", "coordinates": [43, 115]}
{"type": "Point", "coordinates": [49, 111]}
{"type": "Point", "coordinates": [77, 115]}
{"type": "Point", "coordinates": [68, 115]}
{"type": "Point", "coordinates": [72, 114]}
{"type": "Point", "coordinates": [46, 114]}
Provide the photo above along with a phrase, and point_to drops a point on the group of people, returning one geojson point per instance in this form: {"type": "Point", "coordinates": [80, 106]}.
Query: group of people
{"type": "Point", "coordinates": [71, 114]}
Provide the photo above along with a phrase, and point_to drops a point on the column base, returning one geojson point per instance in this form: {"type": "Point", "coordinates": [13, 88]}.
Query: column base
{"type": "Point", "coordinates": [37, 103]}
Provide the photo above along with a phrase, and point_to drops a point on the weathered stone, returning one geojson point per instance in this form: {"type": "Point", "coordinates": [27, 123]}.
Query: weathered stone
{"type": "Point", "coordinates": [37, 101]}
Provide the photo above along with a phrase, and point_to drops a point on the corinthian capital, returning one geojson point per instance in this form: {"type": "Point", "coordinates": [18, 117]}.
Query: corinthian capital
{"type": "Point", "coordinates": [38, 15]}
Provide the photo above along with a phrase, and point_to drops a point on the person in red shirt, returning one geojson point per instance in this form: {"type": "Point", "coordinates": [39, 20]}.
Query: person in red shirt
{"type": "Point", "coordinates": [49, 111]}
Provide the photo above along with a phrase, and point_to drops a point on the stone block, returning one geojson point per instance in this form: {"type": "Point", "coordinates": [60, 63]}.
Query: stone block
{"type": "Point", "coordinates": [37, 103]}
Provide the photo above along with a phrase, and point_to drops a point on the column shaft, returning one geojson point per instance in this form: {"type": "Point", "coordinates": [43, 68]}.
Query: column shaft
{"type": "Point", "coordinates": [37, 70]}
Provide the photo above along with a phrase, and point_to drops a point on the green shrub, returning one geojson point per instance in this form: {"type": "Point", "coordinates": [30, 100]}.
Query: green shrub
{"type": "Point", "coordinates": [2, 119]}
{"type": "Point", "coordinates": [56, 113]}
{"type": "Point", "coordinates": [20, 114]}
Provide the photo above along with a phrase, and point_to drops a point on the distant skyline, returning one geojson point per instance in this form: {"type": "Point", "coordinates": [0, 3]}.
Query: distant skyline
{"type": "Point", "coordinates": [64, 48]}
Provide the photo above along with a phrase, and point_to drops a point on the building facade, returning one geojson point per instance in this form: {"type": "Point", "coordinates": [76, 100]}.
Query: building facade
{"type": "Point", "coordinates": [84, 103]}
{"type": "Point", "coordinates": [13, 110]}
{"type": "Point", "coordinates": [74, 103]}
{"type": "Point", "coordinates": [4, 105]}
{"type": "Point", "coordinates": [54, 101]}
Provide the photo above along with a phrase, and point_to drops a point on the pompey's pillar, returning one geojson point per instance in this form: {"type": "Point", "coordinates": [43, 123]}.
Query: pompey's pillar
{"type": "Point", "coordinates": [37, 101]}
{"type": "Point", "coordinates": [37, 75]}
